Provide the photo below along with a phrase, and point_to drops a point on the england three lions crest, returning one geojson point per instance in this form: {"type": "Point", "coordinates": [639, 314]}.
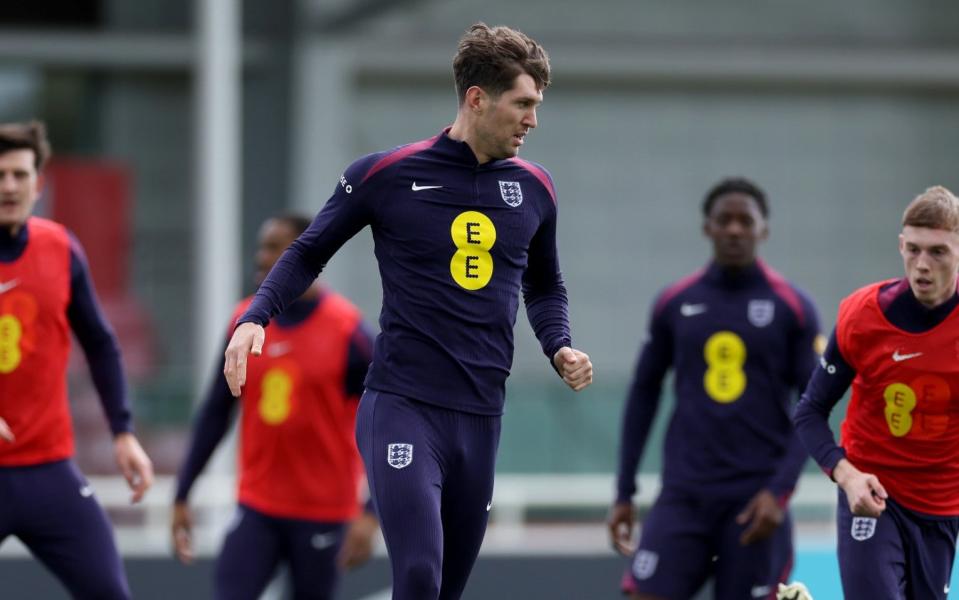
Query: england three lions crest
{"type": "Point", "coordinates": [761, 312]}
{"type": "Point", "coordinates": [863, 528]}
{"type": "Point", "coordinates": [399, 455]}
{"type": "Point", "coordinates": [511, 192]}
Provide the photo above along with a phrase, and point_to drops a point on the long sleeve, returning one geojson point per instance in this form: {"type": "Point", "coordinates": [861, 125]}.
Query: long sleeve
{"type": "Point", "coordinates": [212, 423]}
{"type": "Point", "coordinates": [358, 359]}
{"type": "Point", "coordinates": [99, 343]}
{"type": "Point", "coordinates": [805, 357]}
{"type": "Point", "coordinates": [346, 212]}
{"type": "Point", "coordinates": [544, 292]}
{"type": "Point", "coordinates": [642, 403]}
{"type": "Point", "coordinates": [827, 386]}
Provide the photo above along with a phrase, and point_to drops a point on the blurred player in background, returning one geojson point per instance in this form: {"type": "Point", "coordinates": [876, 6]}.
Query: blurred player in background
{"type": "Point", "coordinates": [45, 292]}
{"type": "Point", "coordinates": [461, 227]}
{"type": "Point", "coordinates": [740, 339]}
{"type": "Point", "coordinates": [299, 470]}
{"type": "Point", "coordinates": [897, 343]}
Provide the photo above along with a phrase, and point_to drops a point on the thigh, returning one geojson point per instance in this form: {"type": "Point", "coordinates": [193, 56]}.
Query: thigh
{"type": "Point", "coordinates": [675, 553]}
{"type": "Point", "coordinates": [404, 466]}
{"type": "Point", "coordinates": [872, 558]}
{"type": "Point", "coordinates": [930, 554]}
{"type": "Point", "coordinates": [249, 556]}
{"type": "Point", "coordinates": [754, 570]}
{"type": "Point", "coordinates": [467, 498]}
{"type": "Point", "coordinates": [63, 525]}
{"type": "Point", "coordinates": [312, 550]}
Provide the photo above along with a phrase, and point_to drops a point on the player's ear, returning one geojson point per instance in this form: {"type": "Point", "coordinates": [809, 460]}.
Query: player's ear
{"type": "Point", "coordinates": [476, 99]}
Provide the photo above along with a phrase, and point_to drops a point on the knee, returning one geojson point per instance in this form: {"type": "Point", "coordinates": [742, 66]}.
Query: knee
{"type": "Point", "coordinates": [416, 580]}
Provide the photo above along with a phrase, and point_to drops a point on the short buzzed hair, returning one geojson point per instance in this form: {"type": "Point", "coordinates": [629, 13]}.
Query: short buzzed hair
{"type": "Point", "coordinates": [295, 221]}
{"type": "Point", "coordinates": [26, 136]}
{"type": "Point", "coordinates": [936, 208]}
{"type": "Point", "coordinates": [732, 185]}
{"type": "Point", "coordinates": [493, 57]}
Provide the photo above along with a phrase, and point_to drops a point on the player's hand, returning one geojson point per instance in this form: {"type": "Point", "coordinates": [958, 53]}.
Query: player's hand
{"type": "Point", "coordinates": [866, 496]}
{"type": "Point", "coordinates": [181, 530]}
{"type": "Point", "coordinates": [761, 516]}
{"type": "Point", "coordinates": [134, 464]}
{"type": "Point", "coordinates": [358, 545]}
{"type": "Point", "coordinates": [574, 367]}
{"type": "Point", "coordinates": [247, 339]}
{"type": "Point", "coordinates": [6, 434]}
{"type": "Point", "coordinates": [620, 523]}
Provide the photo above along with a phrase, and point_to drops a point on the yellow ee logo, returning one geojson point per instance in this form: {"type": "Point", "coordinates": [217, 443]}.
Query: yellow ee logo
{"type": "Point", "coordinates": [473, 235]}
{"type": "Point", "coordinates": [276, 388]}
{"type": "Point", "coordinates": [900, 402]}
{"type": "Point", "coordinates": [11, 330]}
{"type": "Point", "coordinates": [919, 409]}
{"type": "Point", "coordinates": [725, 354]}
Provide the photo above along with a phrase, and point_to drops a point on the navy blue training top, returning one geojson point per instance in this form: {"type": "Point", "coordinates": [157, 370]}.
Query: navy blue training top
{"type": "Point", "coordinates": [741, 344]}
{"type": "Point", "coordinates": [456, 243]}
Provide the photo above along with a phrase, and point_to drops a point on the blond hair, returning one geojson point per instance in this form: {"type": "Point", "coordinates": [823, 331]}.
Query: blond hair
{"type": "Point", "coordinates": [936, 208]}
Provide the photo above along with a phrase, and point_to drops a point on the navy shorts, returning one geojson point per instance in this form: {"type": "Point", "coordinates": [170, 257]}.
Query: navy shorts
{"type": "Point", "coordinates": [901, 555]}
{"type": "Point", "coordinates": [686, 539]}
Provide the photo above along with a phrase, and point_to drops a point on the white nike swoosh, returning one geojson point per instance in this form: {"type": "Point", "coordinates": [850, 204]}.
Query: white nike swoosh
{"type": "Point", "coordinates": [489, 505]}
{"type": "Point", "coordinates": [322, 541]}
{"type": "Point", "coordinates": [9, 285]}
{"type": "Point", "coordinates": [759, 591]}
{"type": "Point", "coordinates": [417, 188]}
{"type": "Point", "coordinates": [278, 349]}
{"type": "Point", "coordinates": [86, 491]}
{"type": "Point", "coordinates": [691, 310]}
{"type": "Point", "coordinates": [901, 357]}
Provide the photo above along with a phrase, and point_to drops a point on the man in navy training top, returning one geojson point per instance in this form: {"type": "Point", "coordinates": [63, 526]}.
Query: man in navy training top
{"type": "Point", "coordinates": [461, 226]}
{"type": "Point", "coordinates": [45, 293]}
{"type": "Point", "coordinates": [740, 339]}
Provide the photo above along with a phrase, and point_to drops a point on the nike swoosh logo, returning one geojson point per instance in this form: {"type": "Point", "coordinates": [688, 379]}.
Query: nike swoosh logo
{"type": "Point", "coordinates": [86, 491]}
{"type": "Point", "coordinates": [901, 357]}
{"type": "Point", "coordinates": [691, 310]}
{"type": "Point", "coordinates": [278, 349]}
{"type": "Point", "coordinates": [322, 541]}
{"type": "Point", "coordinates": [417, 188]}
{"type": "Point", "coordinates": [489, 505]}
{"type": "Point", "coordinates": [8, 285]}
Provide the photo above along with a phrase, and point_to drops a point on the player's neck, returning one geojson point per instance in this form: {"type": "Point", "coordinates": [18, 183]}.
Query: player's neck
{"type": "Point", "coordinates": [462, 131]}
{"type": "Point", "coordinates": [311, 293]}
{"type": "Point", "coordinates": [11, 231]}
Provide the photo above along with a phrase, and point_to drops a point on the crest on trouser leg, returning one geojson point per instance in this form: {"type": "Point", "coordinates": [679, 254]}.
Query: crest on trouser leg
{"type": "Point", "coordinates": [863, 528]}
{"type": "Point", "coordinates": [399, 455]}
{"type": "Point", "coordinates": [644, 565]}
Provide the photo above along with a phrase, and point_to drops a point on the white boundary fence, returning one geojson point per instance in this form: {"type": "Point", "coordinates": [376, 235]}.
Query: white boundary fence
{"type": "Point", "coordinates": [142, 530]}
